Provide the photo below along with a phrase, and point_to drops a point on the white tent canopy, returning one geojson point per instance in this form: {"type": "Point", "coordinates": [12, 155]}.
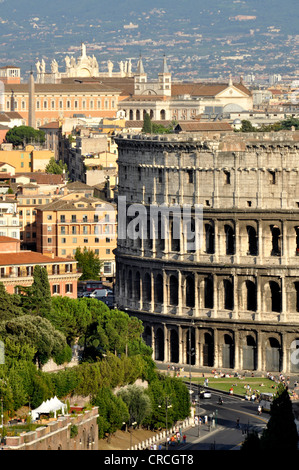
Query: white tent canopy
{"type": "Point", "coordinates": [49, 406]}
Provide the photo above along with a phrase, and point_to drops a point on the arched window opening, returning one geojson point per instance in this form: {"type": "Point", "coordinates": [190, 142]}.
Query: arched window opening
{"type": "Point", "coordinates": [208, 293]}
{"type": "Point", "coordinates": [275, 296]}
{"type": "Point", "coordinates": [210, 239]}
{"type": "Point", "coordinates": [230, 240]}
{"type": "Point", "coordinates": [147, 291]}
{"type": "Point", "coordinates": [276, 241]}
{"type": "Point", "coordinates": [251, 301]}
{"type": "Point", "coordinates": [252, 241]}
{"type": "Point", "coordinates": [228, 295]}
{"type": "Point", "coordinates": [173, 290]}
{"type": "Point", "coordinates": [159, 289]}
{"type": "Point", "coordinates": [190, 292]}
{"type": "Point", "coordinates": [137, 286]}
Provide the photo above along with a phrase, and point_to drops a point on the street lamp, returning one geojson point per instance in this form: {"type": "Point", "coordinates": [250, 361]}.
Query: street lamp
{"type": "Point", "coordinates": [130, 431]}
{"type": "Point", "coordinates": [167, 405]}
{"type": "Point", "coordinates": [190, 353]}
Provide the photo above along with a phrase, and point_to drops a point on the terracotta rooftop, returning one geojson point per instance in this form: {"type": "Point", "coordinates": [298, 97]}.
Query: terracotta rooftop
{"type": "Point", "coordinates": [41, 178]}
{"type": "Point", "coordinates": [203, 89]}
{"type": "Point", "coordinates": [203, 126]}
{"type": "Point", "coordinates": [29, 257]}
{"type": "Point", "coordinates": [4, 239]}
{"type": "Point", "coordinates": [51, 125]}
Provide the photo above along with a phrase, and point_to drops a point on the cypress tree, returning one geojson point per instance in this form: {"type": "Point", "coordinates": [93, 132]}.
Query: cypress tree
{"type": "Point", "coordinates": [147, 124]}
{"type": "Point", "coordinates": [281, 431]}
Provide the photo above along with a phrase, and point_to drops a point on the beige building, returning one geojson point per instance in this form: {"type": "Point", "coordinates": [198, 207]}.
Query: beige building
{"type": "Point", "coordinates": [234, 297]}
{"type": "Point", "coordinates": [165, 100]}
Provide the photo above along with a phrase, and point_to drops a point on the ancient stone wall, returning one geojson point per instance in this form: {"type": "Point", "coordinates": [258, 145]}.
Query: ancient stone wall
{"type": "Point", "coordinates": [233, 299]}
{"type": "Point", "coordinates": [59, 434]}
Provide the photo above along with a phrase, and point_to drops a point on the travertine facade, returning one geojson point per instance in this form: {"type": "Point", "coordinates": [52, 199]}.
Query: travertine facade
{"type": "Point", "coordinates": [238, 293]}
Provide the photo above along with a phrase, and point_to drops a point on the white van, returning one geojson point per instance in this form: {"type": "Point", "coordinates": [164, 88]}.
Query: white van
{"type": "Point", "coordinates": [98, 293]}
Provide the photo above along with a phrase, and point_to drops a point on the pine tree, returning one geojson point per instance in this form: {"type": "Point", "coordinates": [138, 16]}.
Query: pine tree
{"type": "Point", "coordinates": [281, 431]}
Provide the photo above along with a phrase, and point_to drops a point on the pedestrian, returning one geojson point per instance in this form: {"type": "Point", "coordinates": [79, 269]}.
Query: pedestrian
{"type": "Point", "coordinates": [238, 423]}
{"type": "Point", "coordinates": [259, 409]}
{"type": "Point", "coordinates": [184, 438]}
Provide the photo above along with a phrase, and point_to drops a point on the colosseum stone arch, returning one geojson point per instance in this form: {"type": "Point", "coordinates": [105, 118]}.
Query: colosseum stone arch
{"type": "Point", "coordinates": [235, 298]}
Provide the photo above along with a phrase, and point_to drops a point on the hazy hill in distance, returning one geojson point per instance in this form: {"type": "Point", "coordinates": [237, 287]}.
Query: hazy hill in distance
{"type": "Point", "coordinates": [34, 29]}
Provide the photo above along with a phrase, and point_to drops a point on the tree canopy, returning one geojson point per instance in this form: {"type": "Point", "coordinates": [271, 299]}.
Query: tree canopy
{"type": "Point", "coordinates": [56, 168]}
{"type": "Point", "coordinates": [150, 127]}
{"type": "Point", "coordinates": [89, 263]}
{"type": "Point", "coordinates": [22, 135]}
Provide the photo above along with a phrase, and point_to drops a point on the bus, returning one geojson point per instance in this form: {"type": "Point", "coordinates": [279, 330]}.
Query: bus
{"type": "Point", "coordinates": [265, 401]}
{"type": "Point", "coordinates": [89, 286]}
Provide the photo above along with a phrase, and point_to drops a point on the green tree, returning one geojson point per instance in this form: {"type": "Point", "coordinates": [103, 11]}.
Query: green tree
{"type": "Point", "coordinates": [22, 135]}
{"type": "Point", "coordinates": [36, 299]}
{"type": "Point", "coordinates": [289, 122]}
{"type": "Point", "coordinates": [70, 316]}
{"type": "Point", "coordinates": [112, 412]}
{"type": "Point", "coordinates": [37, 333]}
{"type": "Point", "coordinates": [281, 431]}
{"type": "Point", "coordinates": [10, 305]}
{"type": "Point", "coordinates": [137, 401]}
{"type": "Point", "coordinates": [147, 124]}
{"type": "Point", "coordinates": [56, 168]}
{"type": "Point", "coordinates": [89, 263]}
{"type": "Point", "coordinates": [247, 126]}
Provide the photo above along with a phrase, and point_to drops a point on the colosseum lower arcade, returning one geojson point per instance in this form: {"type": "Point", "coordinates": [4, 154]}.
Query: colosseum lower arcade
{"type": "Point", "coordinates": [233, 301]}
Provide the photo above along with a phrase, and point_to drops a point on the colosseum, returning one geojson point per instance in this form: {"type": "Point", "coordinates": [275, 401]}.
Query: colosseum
{"type": "Point", "coordinates": [231, 301]}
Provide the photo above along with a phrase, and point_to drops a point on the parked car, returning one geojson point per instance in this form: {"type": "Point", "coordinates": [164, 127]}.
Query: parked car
{"type": "Point", "coordinates": [84, 294]}
{"type": "Point", "coordinates": [99, 293]}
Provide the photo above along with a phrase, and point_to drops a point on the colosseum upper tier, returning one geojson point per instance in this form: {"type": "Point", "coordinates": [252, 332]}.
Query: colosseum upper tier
{"type": "Point", "coordinates": [231, 301]}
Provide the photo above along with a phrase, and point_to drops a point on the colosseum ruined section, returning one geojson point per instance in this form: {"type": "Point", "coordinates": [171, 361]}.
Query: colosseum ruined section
{"type": "Point", "coordinates": [231, 302]}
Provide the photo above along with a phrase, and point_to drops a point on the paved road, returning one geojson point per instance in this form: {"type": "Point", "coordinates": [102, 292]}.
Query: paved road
{"type": "Point", "coordinates": [222, 433]}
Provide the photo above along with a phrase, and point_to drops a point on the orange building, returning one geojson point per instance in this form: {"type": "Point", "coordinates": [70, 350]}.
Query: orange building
{"type": "Point", "coordinates": [16, 269]}
{"type": "Point", "coordinates": [53, 101]}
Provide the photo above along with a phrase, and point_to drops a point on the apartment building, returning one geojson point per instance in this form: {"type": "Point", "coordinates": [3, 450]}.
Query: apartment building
{"type": "Point", "coordinates": [17, 266]}
{"type": "Point", "coordinates": [29, 159]}
{"type": "Point", "coordinates": [9, 218]}
{"type": "Point", "coordinates": [74, 221]}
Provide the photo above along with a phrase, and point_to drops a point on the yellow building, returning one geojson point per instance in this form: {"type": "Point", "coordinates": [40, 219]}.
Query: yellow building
{"type": "Point", "coordinates": [64, 225]}
{"type": "Point", "coordinates": [27, 160]}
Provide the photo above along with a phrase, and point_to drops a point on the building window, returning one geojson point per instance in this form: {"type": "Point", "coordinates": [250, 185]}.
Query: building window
{"type": "Point", "coordinates": [108, 251]}
{"type": "Point", "coordinates": [74, 218]}
{"type": "Point", "coordinates": [107, 268]}
{"type": "Point", "coordinates": [69, 288]}
{"type": "Point", "coordinates": [63, 252]}
{"type": "Point", "coordinates": [62, 219]}
{"type": "Point", "coordinates": [63, 240]}
{"type": "Point", "coordinates": [74, 240]}
{"type": "Point", "coordinates": [85, 240]}
{"type": "Point", "coordinates": [56, 289]}
{"type": "Point", "coordinates": [74, 230]}
{"type": "Point", "coordinates": [62, 230]}
{"type": "Point", "coordinates": [49, 240]}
